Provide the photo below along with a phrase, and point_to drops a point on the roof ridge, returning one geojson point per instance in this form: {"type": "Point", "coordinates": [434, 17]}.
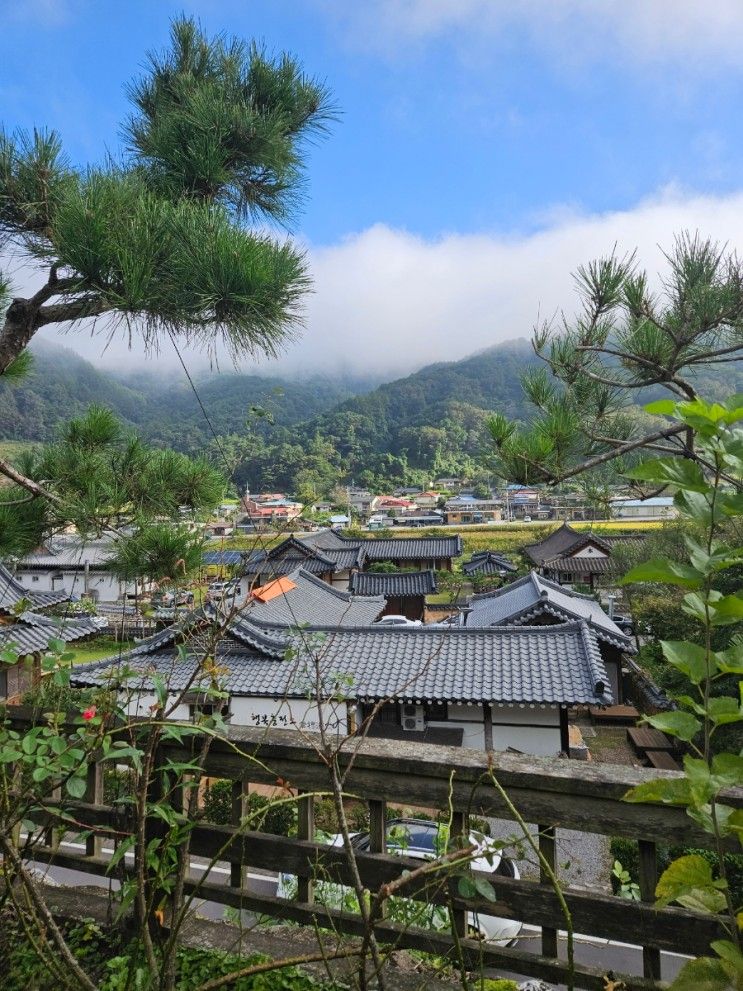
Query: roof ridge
{"type": "Point", "coordinates": [503, 590]}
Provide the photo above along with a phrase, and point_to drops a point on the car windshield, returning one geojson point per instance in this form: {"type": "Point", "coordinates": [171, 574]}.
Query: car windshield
{"type": "Point", "coordinates": [412, 835]}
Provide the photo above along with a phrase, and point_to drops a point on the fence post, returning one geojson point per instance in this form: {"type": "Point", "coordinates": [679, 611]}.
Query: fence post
{"type": "Point", "coordinates": [547, 848]}
{"type": "Point", "coordinates": [306, 831]}
{"type": "Point", "coordinates": [648, 881]}
{"type": "Point", "coordinates": [460, 832]}
{"type": "Point", "coordinates": [377, 826]}
{"type": "Point", "coordinates": [94, 795]}
{"type": "Point", "coordinates": [238, 872]}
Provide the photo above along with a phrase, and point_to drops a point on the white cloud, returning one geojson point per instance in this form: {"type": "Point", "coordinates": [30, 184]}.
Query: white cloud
{"type": "Point", "coordinates": [645, 30]}
{"type": "Point", "coordinates": [387, 302]}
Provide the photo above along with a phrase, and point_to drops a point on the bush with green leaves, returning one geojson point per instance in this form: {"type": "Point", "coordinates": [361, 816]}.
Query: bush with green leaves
{"type": "Point", "coordinates": [708, 485]}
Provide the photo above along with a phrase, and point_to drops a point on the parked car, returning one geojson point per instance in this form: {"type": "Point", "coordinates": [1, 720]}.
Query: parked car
{"type": "Point", "coordinates": [394, 620]}
{"type": "Point", "coordinates": [172, 597]}
{"type": "Point", "coordinates": [421, 839]}
{"type": "Point", "coordinates": [527, 519]}
{"type": "Point", "coordinates": [224, 589]}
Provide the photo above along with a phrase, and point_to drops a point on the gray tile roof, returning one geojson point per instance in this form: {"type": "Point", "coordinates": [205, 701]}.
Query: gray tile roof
{"type": "Point", "coordinates": [316, 603]}
{"type": "Point", "coordinates": [397, 584]}
{"type": "Point", "coordinates": [487, 563]}
{"type": "Point", "coordinates": [581, 565]}
{"type": "Point", "coordinates": [544, 665]}
{"type": "Point", "coordinates": [32, 633]}
{"type": "Point", "coordinates": [412, 548]}
{"type": "Point", "coordinates": [71, 552]}
{"type": "Point", "coordinates": [524, 600]}
{"type": "Point", "coordinates": [12, 593]}
{"type": "Point", "coordinates": [563, 542]}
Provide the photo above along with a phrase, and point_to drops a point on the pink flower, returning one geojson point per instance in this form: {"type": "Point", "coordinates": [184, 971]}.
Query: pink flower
{"type": "Point", "coordinates": [89, 713]}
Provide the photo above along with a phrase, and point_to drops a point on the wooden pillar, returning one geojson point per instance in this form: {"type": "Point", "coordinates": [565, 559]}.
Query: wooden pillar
{"type": "Point", "coordinates": [547, 849]}
{"type": "Point", "coordinates": [487, 718]}
{"type": "Point", "coordinates": [648, 881]}
{"type": "Point", "coordinates": [306, 831]}
{"type": "Point", "coordinates": [460, 830]}
{"type": "Point", "coordinates": [93, 795]}
{"type": "Point", "coordinates": [564, 733]}
{"type": "Point", "coordinates": [377, 826]}
{"type": "Point", "coordinates": [238, 872]}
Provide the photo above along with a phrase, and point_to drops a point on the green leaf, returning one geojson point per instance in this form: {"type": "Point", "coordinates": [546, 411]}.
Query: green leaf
{"type": "Point", "coordinates": [76, 786]}
{"type": "Point", "coordinates": [466, 886]}
{"type": "Point", "coordinates": [723, 710]}
{"type": "Point", "coordinates": [682, 725]}
{"type": "Point", "coordinates": [689, 658]}
{"type": "Point", "coordinates": [727, 609]}
{"type": "Point", "coordinates": [119, 852]}
{"type": "Point", "coordinates": [688, 880]}
{"type": "Point", "coordinates": [679, 472]}
{"type": "Point", "coordinates": [662, 407]}
{"type": "Point", "coordinates": [484, 888]}
{"type": "Point", "coordinates": [665, 573]}
{"type": "Point", "coordinates": [703, 974]}
{"type": "Point", "coordinates": [674, 791]}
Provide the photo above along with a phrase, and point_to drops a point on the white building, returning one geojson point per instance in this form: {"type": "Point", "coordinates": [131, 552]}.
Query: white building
{"type": "Point", "coordinates": [79, 568]}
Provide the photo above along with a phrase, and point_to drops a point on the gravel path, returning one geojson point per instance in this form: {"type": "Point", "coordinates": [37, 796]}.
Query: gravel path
{"type": "Point", "coordinates": [583, 858]}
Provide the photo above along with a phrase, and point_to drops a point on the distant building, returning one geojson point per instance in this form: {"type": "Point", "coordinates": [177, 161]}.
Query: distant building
{"type": "Point", "coordinates": [267, 511]}
{"type": "Point", "coordinates": [570, 556]}
{"type": "Point", "coordinates": [655, 508]}
{"type": "Point", "coordinates": [466, 509]}
{"type": "Point", "coordinates": [490, 564]}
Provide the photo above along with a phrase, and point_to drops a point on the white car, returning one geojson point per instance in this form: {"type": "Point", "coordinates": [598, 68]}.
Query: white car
{"type": "Point", "coordinates": [422, 839]}
{"type": "Point", "coordinates": [394, 620]}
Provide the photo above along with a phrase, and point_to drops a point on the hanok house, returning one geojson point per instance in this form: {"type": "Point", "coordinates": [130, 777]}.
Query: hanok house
{"type": "Point", "coordinates": [27, 633]}
{"type": "Point", "coordinates": [536, 601]}
{"type": "Point", "coordinates": [491, 689]}
{"type": "Point", "coordinates": [77, 568]}
{"type": "Point", "coordinates": [488, 564]}
{"type": "Point", "coordinates": [570, 557]}
{"type": "Point", "coordinates": [404, 592]}
{"type": "Point", "coordinates": [334, 564]}
{"type": "Point", "coordinates": [301, 599]}
{"type": "Point", "coordinates": [419, 553]}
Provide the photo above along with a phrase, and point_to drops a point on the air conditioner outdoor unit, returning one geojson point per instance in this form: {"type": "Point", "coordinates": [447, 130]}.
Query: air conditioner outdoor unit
{"type": "Point", "coordinates": [414, 718]}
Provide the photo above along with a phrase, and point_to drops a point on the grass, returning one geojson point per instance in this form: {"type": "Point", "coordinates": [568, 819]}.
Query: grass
{"type": "Point", "coordinates": [96, 650]}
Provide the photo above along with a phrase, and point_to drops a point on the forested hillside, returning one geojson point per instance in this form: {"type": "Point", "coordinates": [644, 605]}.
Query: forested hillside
{"type": "Point", "coordinates": [304, 436]}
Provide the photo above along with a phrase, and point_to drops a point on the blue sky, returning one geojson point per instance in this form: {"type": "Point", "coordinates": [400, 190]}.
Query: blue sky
{"type": "Point", "coordinates": [465, 124]}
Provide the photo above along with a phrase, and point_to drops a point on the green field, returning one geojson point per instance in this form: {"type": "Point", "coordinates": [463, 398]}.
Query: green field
{"type": "Point", "coordinates": [96, 650]}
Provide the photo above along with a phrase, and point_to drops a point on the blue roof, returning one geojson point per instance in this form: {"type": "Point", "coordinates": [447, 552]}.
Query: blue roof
{"type": "Point", "coordinates": [222, 557]}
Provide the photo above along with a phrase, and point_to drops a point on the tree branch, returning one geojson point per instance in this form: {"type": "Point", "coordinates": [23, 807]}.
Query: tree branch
{"type": "Point", "coordinates": [618, 451]}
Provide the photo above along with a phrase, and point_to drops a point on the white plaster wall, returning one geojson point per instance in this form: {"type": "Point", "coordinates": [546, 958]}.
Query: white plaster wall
{"type": "Point", "coordinates": [296, 714]}
{"type": "Point", "coordinates": [590, 552]}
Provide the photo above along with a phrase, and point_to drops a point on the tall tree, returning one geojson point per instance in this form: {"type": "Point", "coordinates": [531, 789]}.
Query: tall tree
{"type": "Point", "coordinates": [627, 336]}
{"type": "Point", "coordinates": [160, 242]}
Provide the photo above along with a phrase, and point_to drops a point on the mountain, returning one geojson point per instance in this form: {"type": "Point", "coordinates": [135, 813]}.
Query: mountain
{"type": "Point", "coordinates": [62, 385]}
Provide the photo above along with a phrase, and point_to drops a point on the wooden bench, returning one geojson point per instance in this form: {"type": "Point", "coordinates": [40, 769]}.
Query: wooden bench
{"type": "Point", "coordinates": [662, 760]}
{"type": "Point", "coordinates": [645, 740]}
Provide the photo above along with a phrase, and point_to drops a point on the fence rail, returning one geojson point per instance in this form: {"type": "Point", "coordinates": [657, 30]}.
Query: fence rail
{"type": "Point", "coordinates": [555, 793]}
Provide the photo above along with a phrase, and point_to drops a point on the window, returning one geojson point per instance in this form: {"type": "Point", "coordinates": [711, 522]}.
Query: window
{"type": "Point", "coordinates": [34, 578]}
{"type": "Point", "coordinates": [412, 835]}
{"type": "Point", "coordinates": [200, 709]}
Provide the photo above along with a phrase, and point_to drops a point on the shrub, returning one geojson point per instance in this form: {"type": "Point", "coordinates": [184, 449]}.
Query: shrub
{"type": "Point", "coordinates": [268, 815]}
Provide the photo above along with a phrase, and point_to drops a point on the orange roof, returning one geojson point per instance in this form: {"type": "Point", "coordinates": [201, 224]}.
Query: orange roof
{"type": "Point", "coordinates": [280, 586]}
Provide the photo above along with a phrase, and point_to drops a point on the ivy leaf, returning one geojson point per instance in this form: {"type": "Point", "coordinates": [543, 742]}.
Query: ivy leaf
{"type": "Point", "coordinates": [466, 886]}
{"type": "Point", "coordinates": [484, 888]}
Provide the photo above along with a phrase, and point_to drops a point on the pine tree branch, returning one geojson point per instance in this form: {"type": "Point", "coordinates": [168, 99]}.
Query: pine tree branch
{"type": "Point", "coordinates": [617, 452]}
{"type": "Point", "coordinates": [37, 491]}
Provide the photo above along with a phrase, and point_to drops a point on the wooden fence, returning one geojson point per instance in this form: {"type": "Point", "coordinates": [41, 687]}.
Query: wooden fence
{"type": "Point", "coordinates": [554, 793]}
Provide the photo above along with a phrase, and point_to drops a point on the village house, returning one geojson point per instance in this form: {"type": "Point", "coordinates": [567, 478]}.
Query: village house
{"type": "Point", "coordinates": [568, 556]}
{"type": "Point", "coordinates": [489, 564]}
{"type": "Point", "coordinates": [404, 592]}
{"type": "Point", "coordinates": [654, 508]}
{"type": "Point", "coordinates": [301, 598]}
{"type": "Point", "coordinates": [428, 499]}
{"type": "Point", "coordinates": [464, 509]}
{"type": "Point", "coordinates": [78, 568]}
{"type": "Point", "coordinates": [27, 633]}
{"type": "Point", "coordinates": [536, 601]}
{"type": "Point", "coordinates": [495, 688]}
{"type": "Point", "coordinates": [264, 512]}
